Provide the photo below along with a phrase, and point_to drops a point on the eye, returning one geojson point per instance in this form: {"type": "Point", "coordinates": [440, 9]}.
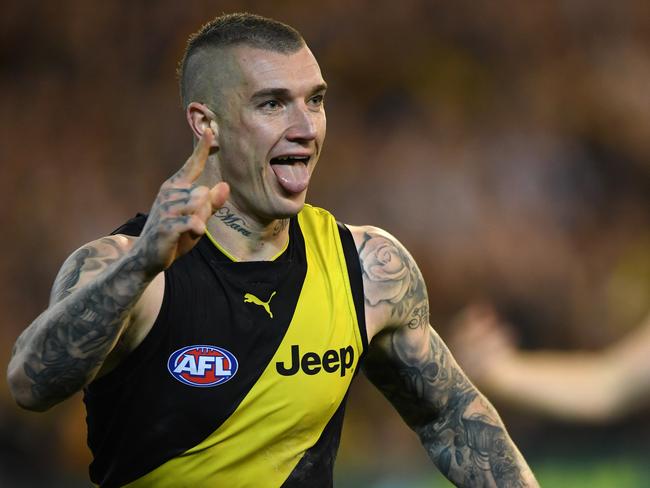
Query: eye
{"type": "Point", "coordinates": [317, 100]}
{"type": "Point", "coordinates": [269, 105]}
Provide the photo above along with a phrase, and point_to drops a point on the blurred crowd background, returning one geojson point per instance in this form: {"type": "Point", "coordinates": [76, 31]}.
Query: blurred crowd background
{"type": "Point", "coordinates": [506, 143]}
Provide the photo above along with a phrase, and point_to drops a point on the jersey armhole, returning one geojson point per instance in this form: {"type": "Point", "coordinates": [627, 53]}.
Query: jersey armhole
{"type": "Point", "coordinates": [130, 362]}
{"type": "Point", "coordinates": [123, 371]}
{"type": "Point", "coordinates": [356, 281]}
{"type": "Point", "coordinates": [133, 226]}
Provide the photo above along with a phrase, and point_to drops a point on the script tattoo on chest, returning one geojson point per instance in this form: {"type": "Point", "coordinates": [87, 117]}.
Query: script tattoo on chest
{"type": "Point", "coordinates": [233, 221]}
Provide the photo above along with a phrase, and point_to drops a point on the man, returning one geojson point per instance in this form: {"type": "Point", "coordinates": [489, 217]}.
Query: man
{"type": "Point", "coordinates": [215, 342]}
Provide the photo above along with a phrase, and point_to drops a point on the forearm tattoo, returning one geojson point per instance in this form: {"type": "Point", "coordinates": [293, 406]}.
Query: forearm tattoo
{"type": "Point", "coordinates": [413, 368]}
{"type": "Point", "coordinates": [66, 345]}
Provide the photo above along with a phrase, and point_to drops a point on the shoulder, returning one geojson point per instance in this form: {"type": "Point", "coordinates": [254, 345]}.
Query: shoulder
{"type": "Point", "coordinates": [394, 290]}
{"type": "Point", "coordinates": [88, 262]}
{"type": "Point", "coordinates": [365, 235]}
{"type": "Point", "coordinates": [388, 268]}
{"type": "Point", "coordinates": [314, 215]}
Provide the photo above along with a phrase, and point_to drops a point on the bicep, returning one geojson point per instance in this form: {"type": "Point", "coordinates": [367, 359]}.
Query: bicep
{"type": "Point", "coordinates": [87, 263]}
{"type": "Point", "coordinates": [407, 360]}
{"type": "Point", "coordinates": [394, 291]}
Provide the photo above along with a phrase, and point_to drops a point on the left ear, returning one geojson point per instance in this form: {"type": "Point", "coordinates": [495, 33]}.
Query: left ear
{"type": "Point", "coordinates": [200, 117]}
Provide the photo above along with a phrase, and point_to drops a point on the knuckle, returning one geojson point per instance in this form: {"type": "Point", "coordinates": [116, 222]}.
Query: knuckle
{"type": "Point", "coordinates": [167, 184]}
{"type": "Point", "coordinates": [199, 192]}
{"type": "Point", "coordinates": [174, 183]}
{"type": "Point", "coordinates": [197, 223]}
{"type": "Point", "coordinates": [164, 206]}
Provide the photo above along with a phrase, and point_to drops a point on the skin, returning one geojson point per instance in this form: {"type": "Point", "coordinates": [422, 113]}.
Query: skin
{"type": "Point", "coordinates": [256, 124]}
{"type": "Point", "coordinates": [108, 293]}
{"type": "Point", "coordinates": [576, 386]}
{"type": "Point", "coordinates": [412, 367]}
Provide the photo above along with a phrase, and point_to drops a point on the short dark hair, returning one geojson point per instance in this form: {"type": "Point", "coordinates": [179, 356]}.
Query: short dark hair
{"type": "Point", "coordinates": [231, 30]}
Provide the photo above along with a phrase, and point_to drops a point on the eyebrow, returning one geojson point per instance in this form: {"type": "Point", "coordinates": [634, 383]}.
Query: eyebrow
{"type": "Point", "coordinates": [283, 92]}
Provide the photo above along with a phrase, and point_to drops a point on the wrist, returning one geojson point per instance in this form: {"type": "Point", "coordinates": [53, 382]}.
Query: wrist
{"type": "Point", "coordinates": [141, 261]}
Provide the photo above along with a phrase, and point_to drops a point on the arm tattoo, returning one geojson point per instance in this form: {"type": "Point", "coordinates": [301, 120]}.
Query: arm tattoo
{"type": "Point", "coordinates": [459, 429]}
{"type": "Point", "coordinates": [390, 277]}
{"type": "Point", "coordinates": [85, 259]}
{"type": "Point", "coordinates": [66, 345]}
{"type": "Point", "coordinates": [413, 368]}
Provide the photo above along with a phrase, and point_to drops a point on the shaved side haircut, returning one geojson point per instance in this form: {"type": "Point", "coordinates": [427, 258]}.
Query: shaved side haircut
{"type": "Point", "coordinates": [197, 70]}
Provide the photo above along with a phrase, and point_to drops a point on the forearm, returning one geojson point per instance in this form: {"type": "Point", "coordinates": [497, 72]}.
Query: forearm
{"type": "Point", "coordinates": [471, 447]}
{"type": "Point", "coordinates": [459, 428]}
{"type": "Point", "coordinates": [64, 348]}
{"type": "Point", "coordinates": [570, 386]}
{"type": "Point", "coordinates": [413, 368]}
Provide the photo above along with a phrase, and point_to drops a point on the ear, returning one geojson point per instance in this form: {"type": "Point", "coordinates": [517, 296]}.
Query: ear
{"type": "Point", "coordinates": [200, 117]}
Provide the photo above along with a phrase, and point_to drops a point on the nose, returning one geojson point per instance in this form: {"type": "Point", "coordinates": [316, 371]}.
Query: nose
{"type": "Point", "coordinates": [302, 125]}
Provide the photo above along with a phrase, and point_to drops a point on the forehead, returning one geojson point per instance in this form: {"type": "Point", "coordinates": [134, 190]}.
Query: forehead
{"type": "Point", "coordinates": [254, 69]}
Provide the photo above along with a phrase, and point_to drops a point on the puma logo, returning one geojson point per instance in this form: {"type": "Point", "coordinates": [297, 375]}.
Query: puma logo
{"type": "Point", "coordinates": [250, 298]}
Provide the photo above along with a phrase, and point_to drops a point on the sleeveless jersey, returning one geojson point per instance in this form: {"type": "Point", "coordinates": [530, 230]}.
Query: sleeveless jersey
{"type": "Point", "coordinates": [242, 380]}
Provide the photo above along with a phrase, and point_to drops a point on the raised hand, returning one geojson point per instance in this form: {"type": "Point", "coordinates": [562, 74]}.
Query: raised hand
{"type": "Point", "coordinates": [179, 214]}
{"type": "Point", "coordinates": [100, 287]}
{"type": "Point", "coordinates": [481, 340]}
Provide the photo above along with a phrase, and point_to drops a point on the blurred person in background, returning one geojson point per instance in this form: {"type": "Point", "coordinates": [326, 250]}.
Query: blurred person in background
{"type": "Point", "coordinates": [573, 386]}
{"type": "Point", "coordinates": [229, 274]}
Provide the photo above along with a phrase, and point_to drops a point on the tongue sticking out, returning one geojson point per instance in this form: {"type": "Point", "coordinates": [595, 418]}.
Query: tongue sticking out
{"type": "Point", "coordinates": [294, 178]}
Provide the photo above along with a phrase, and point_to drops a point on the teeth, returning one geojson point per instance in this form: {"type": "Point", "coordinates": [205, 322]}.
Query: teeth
{"type": "Point", "coordinates": [292, 158]}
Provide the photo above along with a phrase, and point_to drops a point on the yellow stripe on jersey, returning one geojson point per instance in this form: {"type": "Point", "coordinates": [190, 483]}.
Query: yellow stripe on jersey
{"type": "Point", "coordinates": [283, 415]}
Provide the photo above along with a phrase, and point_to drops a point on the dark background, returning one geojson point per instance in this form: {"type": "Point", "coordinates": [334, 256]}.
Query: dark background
{"type": "Point", "coordinates": [505, 143]}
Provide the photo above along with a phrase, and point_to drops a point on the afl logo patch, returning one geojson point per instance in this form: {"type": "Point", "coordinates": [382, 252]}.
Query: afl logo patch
{"type": "Point", "coordinates": [202, 366]}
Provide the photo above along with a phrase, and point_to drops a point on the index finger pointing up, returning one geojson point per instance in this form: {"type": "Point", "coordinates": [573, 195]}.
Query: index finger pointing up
{"type": "Point", "coordinates": [194, 165]}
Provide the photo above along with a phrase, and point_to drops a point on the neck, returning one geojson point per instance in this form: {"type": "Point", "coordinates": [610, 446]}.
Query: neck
{"type": "Point", "coordinates": [245, 239]}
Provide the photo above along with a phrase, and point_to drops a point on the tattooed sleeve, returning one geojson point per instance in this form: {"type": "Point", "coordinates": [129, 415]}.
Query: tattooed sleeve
{"type": "Point", "coordinates": [62, 350]}
{"type": "Point", "coordinates": [413, 368]}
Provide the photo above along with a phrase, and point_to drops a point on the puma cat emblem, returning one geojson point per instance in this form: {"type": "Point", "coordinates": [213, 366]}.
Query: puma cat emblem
{"type": "Point", "coordinates": [250, 298]}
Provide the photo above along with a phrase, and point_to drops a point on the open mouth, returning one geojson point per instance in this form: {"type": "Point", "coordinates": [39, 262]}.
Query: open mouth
{"type": "Point", "coordinates": [291, 172]}
{"type": "Point", "coordinates": [290, 159]}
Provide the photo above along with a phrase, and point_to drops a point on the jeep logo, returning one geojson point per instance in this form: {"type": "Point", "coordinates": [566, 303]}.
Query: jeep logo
{"type": "Point", "coordinates": [311, 363]}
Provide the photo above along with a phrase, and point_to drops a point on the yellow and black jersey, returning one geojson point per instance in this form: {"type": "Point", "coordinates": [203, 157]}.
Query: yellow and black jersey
{"type": "Point", "coordinates": [242, 380]}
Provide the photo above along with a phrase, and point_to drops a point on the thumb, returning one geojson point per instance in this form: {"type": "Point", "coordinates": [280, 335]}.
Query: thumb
{"type": "Point", "coordinates": [218, 195]}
